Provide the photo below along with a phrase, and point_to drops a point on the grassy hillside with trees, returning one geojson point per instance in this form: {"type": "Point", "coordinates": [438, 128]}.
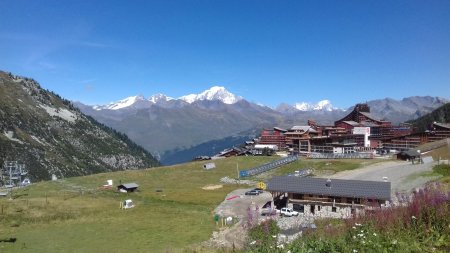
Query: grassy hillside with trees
{"type": "Point", "coordinates": [441, 114]}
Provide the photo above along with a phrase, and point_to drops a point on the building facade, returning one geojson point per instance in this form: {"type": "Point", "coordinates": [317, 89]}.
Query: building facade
{"type": "Point", "coordinates": [335, 198]}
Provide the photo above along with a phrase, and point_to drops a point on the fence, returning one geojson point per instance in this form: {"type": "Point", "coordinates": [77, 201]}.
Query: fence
{"type": "Point", "coordinates": [267, 166]}
{"type": "Point", "coordinates": [315, 155]}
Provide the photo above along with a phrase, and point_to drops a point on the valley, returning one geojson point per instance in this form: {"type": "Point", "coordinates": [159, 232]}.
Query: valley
{"type": "Point", "coordinates": [179, 129]}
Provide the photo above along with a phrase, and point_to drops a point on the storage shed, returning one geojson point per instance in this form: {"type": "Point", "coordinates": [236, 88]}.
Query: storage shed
{"type": "Point", "coordinates": [408, 155]}
{"type": "Point", "coordinates": [209, 166]}
{"type": "Point", "coordinates": [128, 187]}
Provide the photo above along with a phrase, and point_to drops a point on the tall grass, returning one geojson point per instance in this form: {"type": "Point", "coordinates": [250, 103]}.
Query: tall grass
{"type": "Point", "coordinates": [420, 222]}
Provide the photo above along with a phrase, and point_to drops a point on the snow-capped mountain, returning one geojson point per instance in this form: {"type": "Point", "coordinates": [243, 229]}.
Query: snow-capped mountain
{"type": "Point", "coordinates": [166, 125]}
{"type": "Point", "coordinates": [214, 93]}
{"type": "Point", "coordinates": [126, 102]}
{"type": "Point", "coordinates": [159, 98]}
{"type": "Point", "coordinates": [324, 105]}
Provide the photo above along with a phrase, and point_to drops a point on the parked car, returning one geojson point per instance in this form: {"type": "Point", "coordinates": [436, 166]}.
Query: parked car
{"type": "Point", "coordinates": [258, 190]}
{"type": "Point", "coordinates": [288, 212]}
{"type": "Point", "coordinates": [268, 212]}
{"type": "Point", "coordinates": [252, 192]}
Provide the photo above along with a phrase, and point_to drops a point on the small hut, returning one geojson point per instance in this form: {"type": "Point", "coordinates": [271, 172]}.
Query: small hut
{"type": "Point", "coordinates": [408, 155]}
{"type": "Point", "coordinates": [128, 187]}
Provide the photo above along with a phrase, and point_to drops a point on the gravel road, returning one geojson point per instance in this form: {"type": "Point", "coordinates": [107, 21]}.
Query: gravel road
{"type": "Point", "coordinates": [403, 175]}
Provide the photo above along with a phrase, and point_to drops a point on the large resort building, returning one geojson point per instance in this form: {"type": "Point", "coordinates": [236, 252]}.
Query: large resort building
{"type": "Point", "coordinates": [359, 131]}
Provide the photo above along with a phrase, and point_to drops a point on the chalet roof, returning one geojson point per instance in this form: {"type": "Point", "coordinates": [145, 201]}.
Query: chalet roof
{"type": "Point", "coordinates": [370, 116]}
{"type": "Point", "coordinates": [280, 129]}
{"type": "Point", "coordinates": [129, 185]}
{"type": "Point", "coordinates": [351, 122]}
{"type": "Point", "coordinates": [443, 125]}
{"type": "Point", "coordinates": [304, 129]}
{"type": "Point", "coordinates": [410, 153]}
{"type": "Point", "coordinates": [338, 187]}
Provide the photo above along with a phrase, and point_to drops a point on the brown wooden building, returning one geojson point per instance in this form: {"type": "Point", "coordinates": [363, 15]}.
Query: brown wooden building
{"type": "Point", "coordinates": [276, 136]}
{"type": "Point", "coordinates": [335, 198]}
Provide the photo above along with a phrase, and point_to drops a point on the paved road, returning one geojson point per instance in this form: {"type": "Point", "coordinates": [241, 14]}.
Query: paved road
{"type": "Point", "coordinates": [403, 176]}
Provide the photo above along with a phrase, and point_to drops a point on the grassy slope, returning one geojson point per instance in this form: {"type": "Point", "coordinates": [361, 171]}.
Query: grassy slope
{"type": "Point", "coordinates": [72, 215]}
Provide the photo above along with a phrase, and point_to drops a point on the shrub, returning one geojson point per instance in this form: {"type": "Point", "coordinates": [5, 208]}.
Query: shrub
{"type": "Point", "coordinates": [421, 222]}
{"type": "Point", "coordinates": [263, 237]}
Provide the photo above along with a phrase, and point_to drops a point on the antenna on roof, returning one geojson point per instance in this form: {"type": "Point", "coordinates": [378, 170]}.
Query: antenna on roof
{"type": "Point", "coordinates": [328, 183]}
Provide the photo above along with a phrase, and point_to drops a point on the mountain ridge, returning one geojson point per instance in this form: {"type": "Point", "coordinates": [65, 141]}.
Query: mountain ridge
{"type": "Point", "coordinates": [51, 136]}
{"type": "Point", "coordinates": [174, 124]}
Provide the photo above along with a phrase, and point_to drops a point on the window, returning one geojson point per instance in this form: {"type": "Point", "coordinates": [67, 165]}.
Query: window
{"type": "Point", "coordinates": [333, 209]}
{"type": "Point", "coordinates": [318, 208]}
{"type": "Point", "coordinates": [297, 196]}
{"type": "Point", "coordinates": [299, 208]}
{"type": "Point", "coordinates": [338, 200]}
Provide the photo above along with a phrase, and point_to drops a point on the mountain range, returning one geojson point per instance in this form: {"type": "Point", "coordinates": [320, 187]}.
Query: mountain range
{"type": "Point", "coordinates": [168, 126]}
{"type": "Point", "coordinates": [50, 136]}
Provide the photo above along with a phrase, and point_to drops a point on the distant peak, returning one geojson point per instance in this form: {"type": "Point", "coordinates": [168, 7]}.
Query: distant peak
{"type": "Point", "coordinates": [213, 93]}
{"type": "Point", "coordinates": [158, 98]}
{"type": "Point", "coordinates": [323, 105]}
{"type": "Point", "coordinates": [121, 103]}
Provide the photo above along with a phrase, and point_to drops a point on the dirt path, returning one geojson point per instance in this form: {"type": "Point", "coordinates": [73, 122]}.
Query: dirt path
{"type": "Point", "coordinates": [236, 205]}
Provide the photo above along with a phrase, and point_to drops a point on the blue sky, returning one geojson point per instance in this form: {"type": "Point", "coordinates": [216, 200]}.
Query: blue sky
{"type": "Point", "coordinates": [266, 51]}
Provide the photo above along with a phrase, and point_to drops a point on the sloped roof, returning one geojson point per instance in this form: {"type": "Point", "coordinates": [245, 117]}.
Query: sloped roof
{"type": "Point", "coordinates": [411, 153]}
{"type": "Point", "coordinates": [130, 185]}
{"type": "Point", "coordinates": [304, 129]}
{"type": "Point", "coordinates": [351, 122]}
{"type": "Point", "coordinates": [370, 116]}
{"type": "Point", "coordinates": [280, 129]}
{"type": "Point", "coordinates": [443, 125]}
{"type": "Point", "coordinates": [339, 187]}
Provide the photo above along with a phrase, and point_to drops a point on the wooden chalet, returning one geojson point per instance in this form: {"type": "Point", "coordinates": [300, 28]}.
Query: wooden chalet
{"type": "Point", "coordinates": [336, 198]}
{"type": "Point", "coordinates": [128, 187]}
{"type": "Point", "coordinates": [408, 155]}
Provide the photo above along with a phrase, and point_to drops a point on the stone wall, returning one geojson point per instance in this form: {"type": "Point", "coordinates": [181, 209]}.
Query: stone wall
{"type": "Point", "coordinates": [326, 210]}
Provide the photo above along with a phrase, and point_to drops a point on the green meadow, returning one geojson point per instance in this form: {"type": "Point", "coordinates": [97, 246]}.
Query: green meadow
{"type": "Point", "coordinates": [172, 214]}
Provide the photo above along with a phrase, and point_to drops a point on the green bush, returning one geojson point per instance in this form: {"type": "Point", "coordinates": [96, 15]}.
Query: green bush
{"type": "Point", "coordinates": [263, 237]}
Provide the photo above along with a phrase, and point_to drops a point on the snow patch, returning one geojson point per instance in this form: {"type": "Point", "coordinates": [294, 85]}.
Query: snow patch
{"type": "Point", "coordinates": [60, 112]}
{"type": "Point", "coordinates": [214, 93]}
{"type": "Point", "coordinates": [323, 105]}
{"type": "Point", "coordinates": [159, 97]}
{"type": "Point", "coordinates": [10, 134]}
{"type": "Point", "coordinates": [120, 104]}
{"type": "Point", "coordinates": [38, 140]}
